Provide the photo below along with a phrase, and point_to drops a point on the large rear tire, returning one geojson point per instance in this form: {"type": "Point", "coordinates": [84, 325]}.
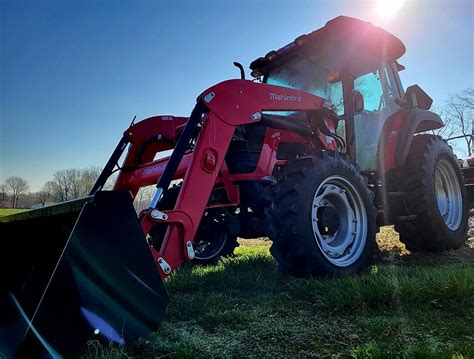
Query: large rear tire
{"type": "Point", "coordinates": [435, 196]}
{"type": "Point", "coordinates": [323, 219]}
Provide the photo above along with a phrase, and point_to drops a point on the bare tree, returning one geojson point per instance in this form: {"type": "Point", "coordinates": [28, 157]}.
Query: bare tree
{"type": "Point", "coordinates": [460, 113]}
{"type": "Point", "coordinates": [68, 183]}
{"type": "Point", "coordinates": [26, 200]}
{"type": "Point", "coordinates": [109, 184]}
{"type": "Point", "coordinates": [467, 96]}
{"type": "Point", "coordinates": [3, 195]}
{"type": "Point", "coordinates": [42, 197]}
{"type": "Point", "coordinates": [17, 186]}
{"type": "Point", "coordinates": [88, 179]}
{"type": "Point", "coordinates": [51, 191]}
{"type": "Point", "coordinates": [449, 129]}
{"type": "Point", "coordinates": [143, 198]}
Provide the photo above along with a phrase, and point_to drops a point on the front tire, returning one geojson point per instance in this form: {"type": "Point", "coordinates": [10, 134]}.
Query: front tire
{"type": "Point", "coordinates": [213, 239]}
{"type": "Point", "coordinates": [435, 194]}
{"type": "Point", "coordinates": [323, 219]}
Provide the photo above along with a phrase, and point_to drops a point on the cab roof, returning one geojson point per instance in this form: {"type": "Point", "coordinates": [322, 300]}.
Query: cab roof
{"type": "Point", "coordinates": [342, 38]}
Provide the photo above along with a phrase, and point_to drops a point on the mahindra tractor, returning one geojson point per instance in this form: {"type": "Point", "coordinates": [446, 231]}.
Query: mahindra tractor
{"type": "Point", "coordinates": [317, 150]}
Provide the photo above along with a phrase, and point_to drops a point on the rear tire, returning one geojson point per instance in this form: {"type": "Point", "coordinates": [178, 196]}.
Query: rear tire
{"type": "Point", "coordinates": [434, 191]}
{"type": "Point", "coordinates": [323, 219]}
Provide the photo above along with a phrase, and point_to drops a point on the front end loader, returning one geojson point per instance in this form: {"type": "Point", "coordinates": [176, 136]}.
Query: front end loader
{"type": "Point", "coordinates": [321, 148]}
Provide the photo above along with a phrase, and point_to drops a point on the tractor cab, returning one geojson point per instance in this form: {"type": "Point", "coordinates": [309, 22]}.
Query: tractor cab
{"type": "Point", "coordinates": [352, 64]}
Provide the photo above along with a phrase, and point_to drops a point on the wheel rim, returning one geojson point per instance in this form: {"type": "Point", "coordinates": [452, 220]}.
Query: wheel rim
{"type": "Point", "coordinates": [343, 245]}
{"type": "Point", "coordinates": [211, 237]}
{"type": "Point", "coordinates": [448, 194]}
{"type": "Point", "coordinates": [206, 249]}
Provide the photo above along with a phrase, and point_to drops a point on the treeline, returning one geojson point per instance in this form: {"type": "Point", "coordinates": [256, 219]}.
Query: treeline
{"type": "Point", "coordinates": [65, 185]}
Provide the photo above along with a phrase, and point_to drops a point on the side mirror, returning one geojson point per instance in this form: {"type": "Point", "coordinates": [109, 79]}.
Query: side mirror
{"type": "Point", "coordinates": [399, 66]}
{"type": "Point", "coordinates": [415, 97]}
{"type": "Point", "coordinates": [358, 101]}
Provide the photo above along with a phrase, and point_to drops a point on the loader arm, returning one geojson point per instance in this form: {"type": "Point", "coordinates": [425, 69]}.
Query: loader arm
{"type": "Point", "coordinates": [219, 110]}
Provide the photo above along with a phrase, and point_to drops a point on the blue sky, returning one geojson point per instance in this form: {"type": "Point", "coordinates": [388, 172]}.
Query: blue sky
{"type": "Point", "coordinates": [74, 73]}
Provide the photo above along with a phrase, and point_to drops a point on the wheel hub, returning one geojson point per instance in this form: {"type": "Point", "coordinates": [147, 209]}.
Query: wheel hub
{"type": "Point", "coordinates": [328, 220]}
{"type": "Point", "coordinates": [339, 221]}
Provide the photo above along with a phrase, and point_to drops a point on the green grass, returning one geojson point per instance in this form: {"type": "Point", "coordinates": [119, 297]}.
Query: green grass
{"type": "Point", "coordinates": [7, 211]}
{"type": "Point", "coordinates": [406, 306]}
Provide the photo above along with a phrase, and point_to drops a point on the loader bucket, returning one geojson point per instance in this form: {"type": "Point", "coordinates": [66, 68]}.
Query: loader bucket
{"type": "Point", "coordinates": [73, 272]}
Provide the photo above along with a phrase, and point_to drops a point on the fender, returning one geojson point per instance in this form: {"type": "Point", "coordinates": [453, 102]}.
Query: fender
{"type": "Point", "coordinates": [397, 135]}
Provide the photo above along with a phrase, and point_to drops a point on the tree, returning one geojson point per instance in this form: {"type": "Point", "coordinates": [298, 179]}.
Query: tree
{"type": "Point", "coordinates": [42, 197]}
{"type": "Point", "coordinates": [448, 130]}
{"type": "Point", "coordinates": [26, 200]}
{"type": "Point", "coordinates": [88, 178]}
{"type": "Point", "coordinates": [143, 198]}
{"type": "Point", "coordinates": [51, 190]}
{"type": "Point", "coordinates": [459, 112]}
{"type": "Point", "coordinates": [3, 195]}
{"type": "Point", "coordinates": [467, 96]}
{"type": "Point", "coordinates": [68, 183]}
{"type": "Point", "coordinates": [17, 187]}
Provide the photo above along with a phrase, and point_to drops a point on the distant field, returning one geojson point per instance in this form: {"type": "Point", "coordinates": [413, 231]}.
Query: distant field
{"type": "Point", "coordinates": [7, 211]}
{"type": "Point", "coordinates": [407, 306]}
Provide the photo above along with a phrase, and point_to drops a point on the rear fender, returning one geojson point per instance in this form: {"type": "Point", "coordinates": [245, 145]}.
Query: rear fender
{"type": "Point", "coordinates": [397, 135]}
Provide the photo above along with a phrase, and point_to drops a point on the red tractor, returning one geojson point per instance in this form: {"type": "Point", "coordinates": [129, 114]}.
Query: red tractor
{"type": "Point", "coordinates": [316, 152]}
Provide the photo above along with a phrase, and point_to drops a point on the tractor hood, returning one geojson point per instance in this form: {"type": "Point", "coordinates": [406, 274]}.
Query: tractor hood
{"type": "Point", "coordinates": [341, 39]}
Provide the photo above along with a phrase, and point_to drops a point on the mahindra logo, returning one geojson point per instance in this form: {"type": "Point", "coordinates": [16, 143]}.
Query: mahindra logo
{"type": "Point", "coordinates": [282, 97]}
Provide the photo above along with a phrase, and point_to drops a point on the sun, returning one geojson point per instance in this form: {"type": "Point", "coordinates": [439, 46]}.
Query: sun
{"type": "Point", "coordinates": [388, 8]}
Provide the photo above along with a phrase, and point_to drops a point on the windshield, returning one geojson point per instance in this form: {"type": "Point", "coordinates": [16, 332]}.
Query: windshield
{"type": "Point", "coordinates": [306, 76]}
{"type": "Point", "coordinates": [377, 88]}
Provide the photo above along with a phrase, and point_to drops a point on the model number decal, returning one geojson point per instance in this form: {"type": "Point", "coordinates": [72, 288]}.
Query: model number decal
{"type": "Point", "coordinates": [154, 169]}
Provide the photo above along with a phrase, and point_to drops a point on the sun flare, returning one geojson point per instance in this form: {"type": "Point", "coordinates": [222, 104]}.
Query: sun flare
{"type": "Point", "coordinates": [388, 8]}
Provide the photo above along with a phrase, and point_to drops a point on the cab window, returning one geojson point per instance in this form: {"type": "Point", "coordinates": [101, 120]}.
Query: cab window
{"type": "Point", "coordinates": [370, 87]}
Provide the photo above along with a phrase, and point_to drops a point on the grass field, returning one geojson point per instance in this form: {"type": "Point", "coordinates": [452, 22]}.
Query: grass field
{"type": "Point", "coordinates": [7, 211]}
{"type": "Point", "coordinates": [407, 306]}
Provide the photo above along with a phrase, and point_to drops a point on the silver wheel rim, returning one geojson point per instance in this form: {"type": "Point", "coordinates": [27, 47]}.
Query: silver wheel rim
{"type": "Point", "coordinates": [346, 245]}
{"type": "Point", "coordinates": [448, 194]}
